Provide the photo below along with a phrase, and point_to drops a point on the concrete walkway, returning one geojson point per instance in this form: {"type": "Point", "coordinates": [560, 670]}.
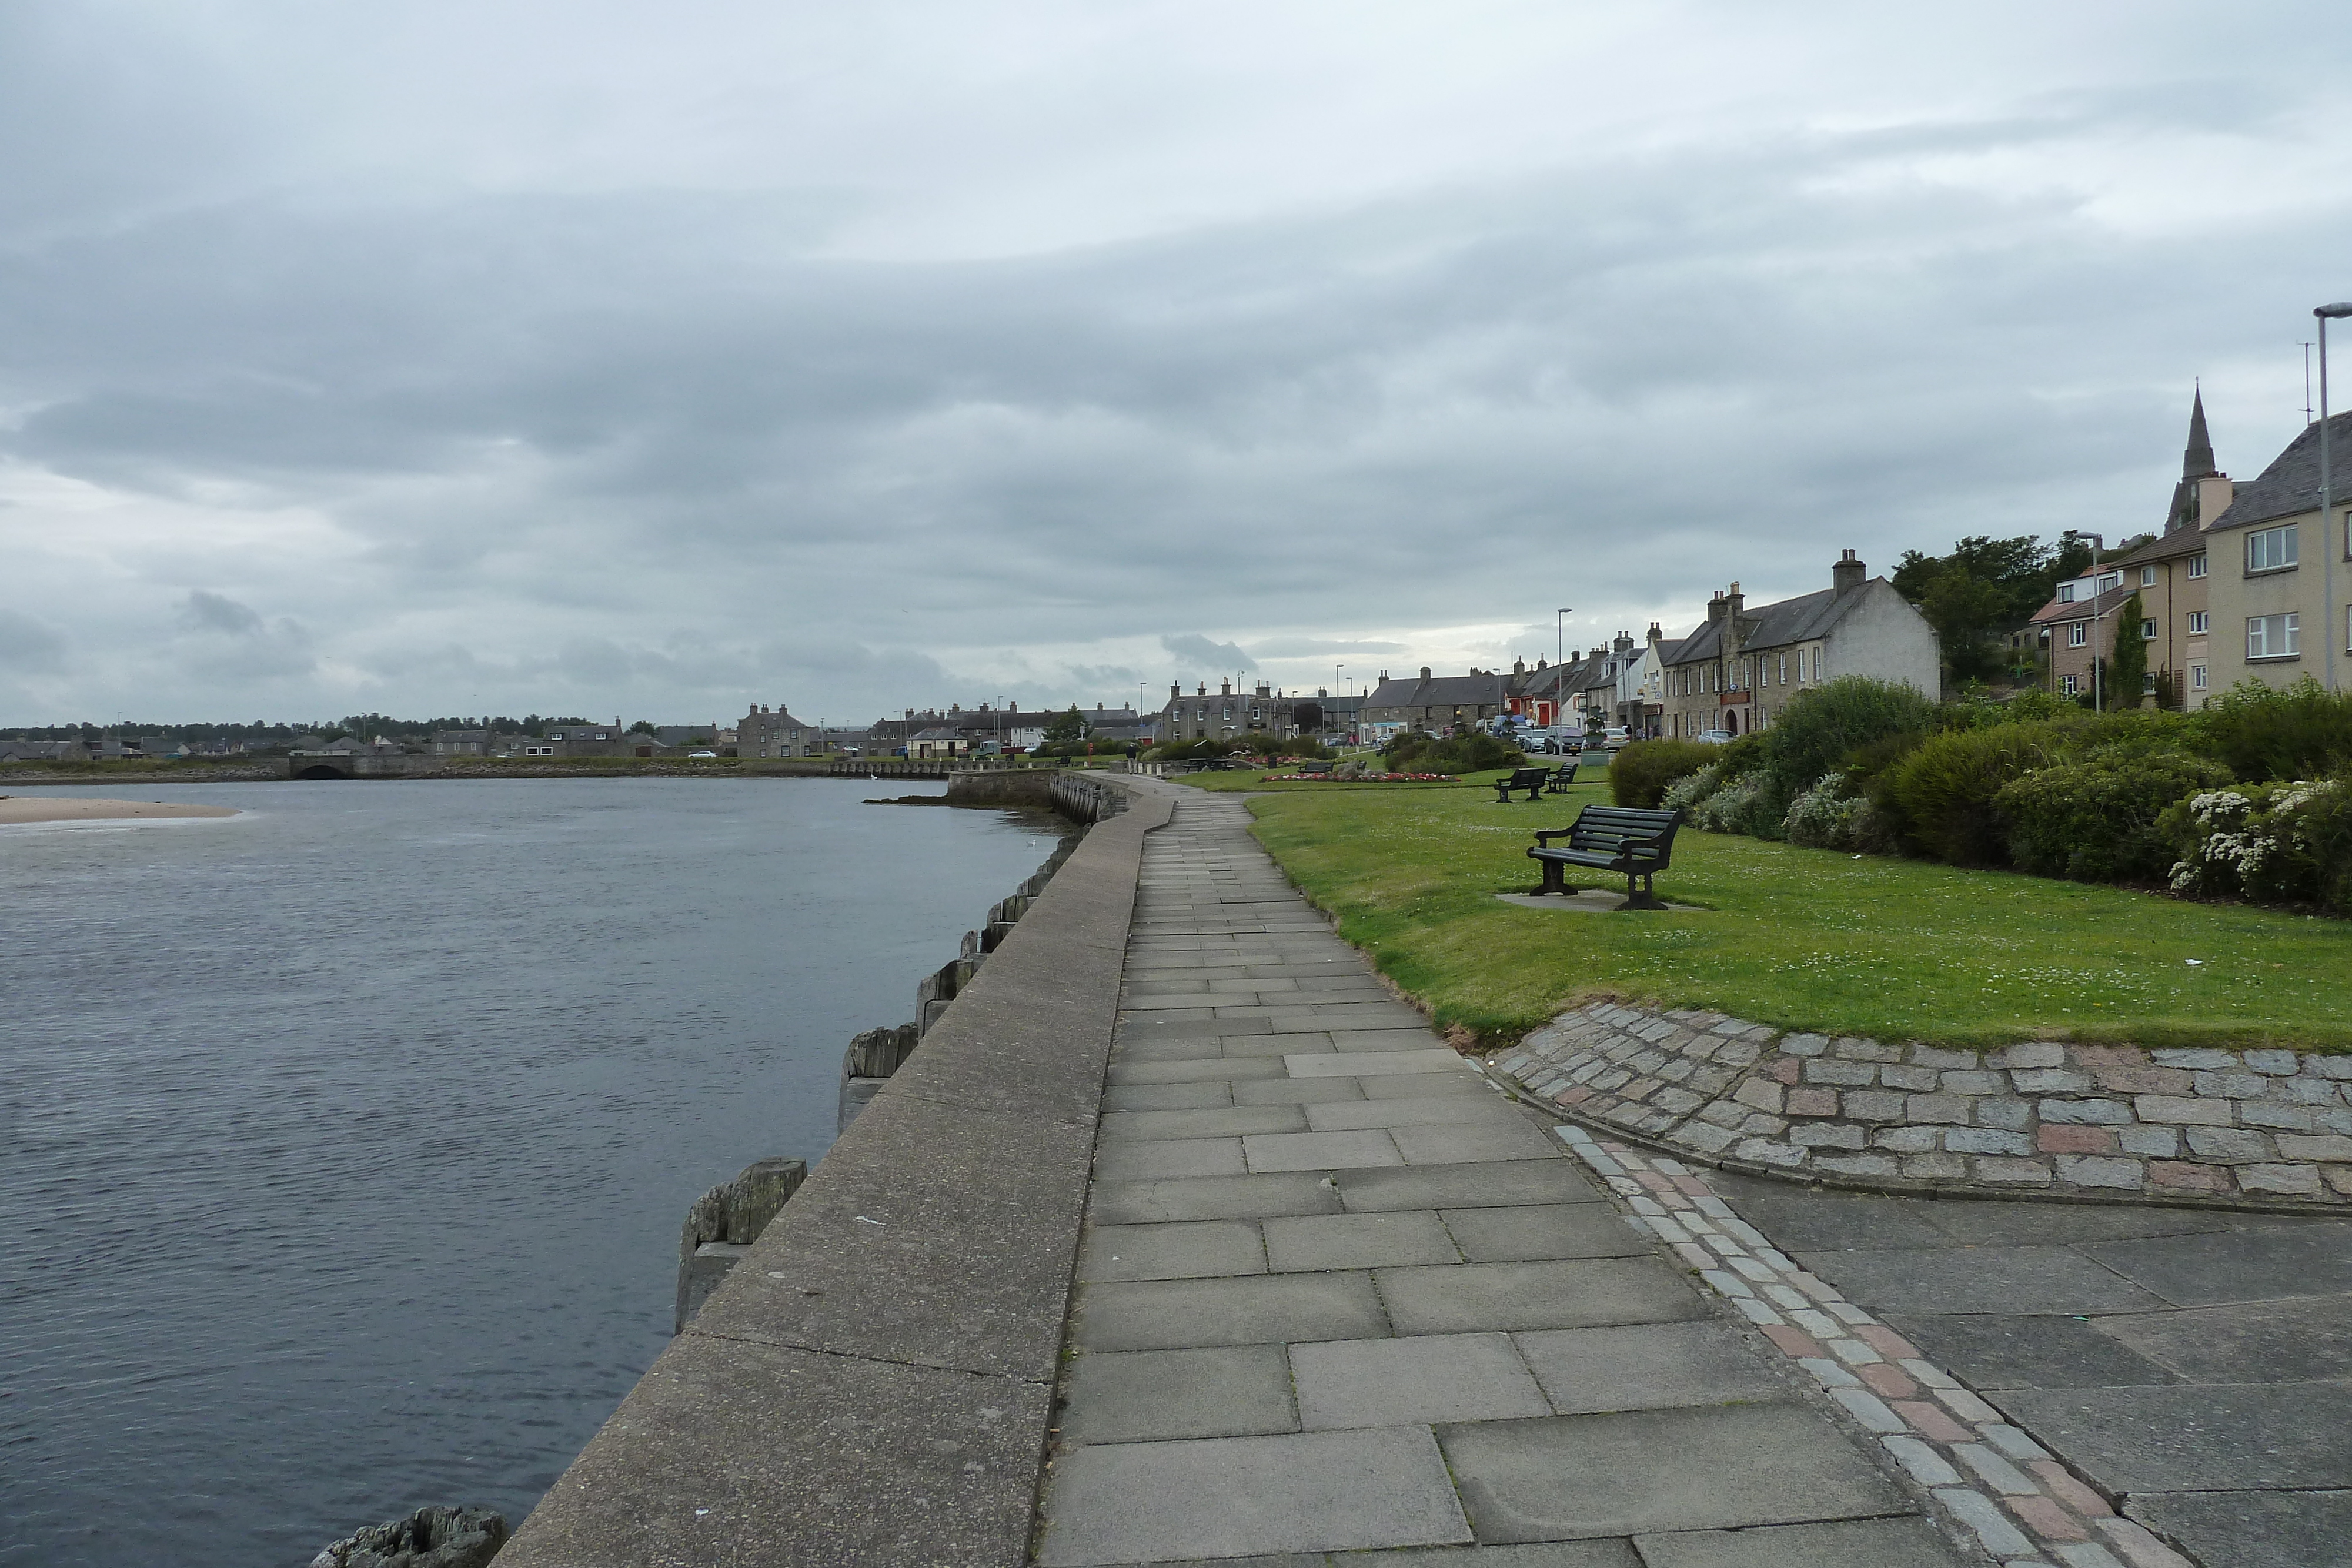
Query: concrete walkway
{"type": "Point", "coordinates": [1338, 1296]}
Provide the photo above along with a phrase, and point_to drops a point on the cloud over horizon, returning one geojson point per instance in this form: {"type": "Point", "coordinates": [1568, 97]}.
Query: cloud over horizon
{"type": "Point", "coordinates": [376, 361]}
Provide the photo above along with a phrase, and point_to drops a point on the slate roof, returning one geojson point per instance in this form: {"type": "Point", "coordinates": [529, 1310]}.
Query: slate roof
{"type": "Point", "coordinates": [1775, 625]}
{"type": "Point", "coordinates": [2165, 547]}
{"type": "Point", "coordinates": [2082, 609]}
{"type": "Point", "coordinates": [1440, 691]}
{"type": "Point", "coordinates": [2291, 484]}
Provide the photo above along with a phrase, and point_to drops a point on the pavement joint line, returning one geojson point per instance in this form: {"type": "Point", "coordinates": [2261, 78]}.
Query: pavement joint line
{"type": "Point", "coordinates": [1993, 1482]}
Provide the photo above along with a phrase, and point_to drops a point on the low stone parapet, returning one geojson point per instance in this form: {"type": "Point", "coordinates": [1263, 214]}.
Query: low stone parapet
{"type": "Point", "coordinates": [2267, 1127]}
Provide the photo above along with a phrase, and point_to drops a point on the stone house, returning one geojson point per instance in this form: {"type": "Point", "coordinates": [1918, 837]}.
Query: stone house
{"type": "Point", "coordinates": [2277, 615]}
{"type": "Point", "coordinates": [1436, 704]}
{"type": "Point", "coordinates": [766, 731]}
{"type": "Point", "coordinates": [2170, 572]}
{"type": "Point", "coordinates": [1742, 666]}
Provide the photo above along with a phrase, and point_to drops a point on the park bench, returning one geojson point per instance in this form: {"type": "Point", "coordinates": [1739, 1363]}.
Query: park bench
{"type": "Point", "coordinates": [1562, 776]}
{"type": "Point", "coordinates": [1638, 843]}
{"type": "Point", "coordinates": [1532, 779]}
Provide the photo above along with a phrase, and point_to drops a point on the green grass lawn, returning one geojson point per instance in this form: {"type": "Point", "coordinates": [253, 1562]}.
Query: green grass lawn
{"type": "Point", "coordinates": [1799, 938]}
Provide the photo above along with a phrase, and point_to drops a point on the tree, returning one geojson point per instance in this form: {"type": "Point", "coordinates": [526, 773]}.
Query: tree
{"type": "Point", "coordinates": [1308, 717]}
{"type": "Point", "coordinates": [1065, 726]}
{"type": "Point", "coordinates": [1984, 588]}
{"type": "Point", "coordinates": [2128, 669]}
{"type": "Point", "coordinates": [643, 726]}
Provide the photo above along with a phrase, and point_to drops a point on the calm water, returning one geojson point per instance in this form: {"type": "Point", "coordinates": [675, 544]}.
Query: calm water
{"type": "Point", "coordinates": [343, 1144]}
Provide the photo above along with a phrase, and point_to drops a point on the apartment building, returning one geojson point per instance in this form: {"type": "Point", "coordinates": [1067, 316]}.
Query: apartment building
{"type": "Point", "coordinates": [2279, 582]}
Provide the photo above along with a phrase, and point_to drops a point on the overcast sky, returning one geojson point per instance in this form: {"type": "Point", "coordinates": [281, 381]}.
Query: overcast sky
{"type": "Point", "coordinates": [659, 359]}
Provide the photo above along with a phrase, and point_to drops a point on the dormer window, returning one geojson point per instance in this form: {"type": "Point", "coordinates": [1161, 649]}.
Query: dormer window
{"type": "Point", "coordinates": [2065, 593]}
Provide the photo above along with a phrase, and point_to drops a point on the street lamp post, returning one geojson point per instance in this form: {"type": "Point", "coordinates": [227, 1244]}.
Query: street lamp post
{"type": "Point", "coordinates": [1558, 656]}
{"type": "Point", "coordinates": [2099, 543]}
{"type": "Point", "coordinates": [2327, 313]}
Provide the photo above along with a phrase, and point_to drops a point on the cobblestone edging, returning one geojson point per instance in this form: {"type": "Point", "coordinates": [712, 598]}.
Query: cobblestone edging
{"type": "Point", "coordinates": [1993, 1482]}
{"type": "Point", "coordinates": [2042, 1117]}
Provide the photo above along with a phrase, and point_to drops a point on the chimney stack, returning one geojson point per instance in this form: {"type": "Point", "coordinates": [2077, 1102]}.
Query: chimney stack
{"type": "Point", "coordinates": [1424, 672]}
{"type": "Point", "coordinates": [1717, 608]}
{"type": "Point", "coordinates": [1224, 688]}
{"type": "Point", "coordinates": [1847, 573]}
{"type": "Point", "coordinates": [1655, 636]}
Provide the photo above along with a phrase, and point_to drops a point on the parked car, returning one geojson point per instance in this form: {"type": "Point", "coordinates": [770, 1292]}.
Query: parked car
{"type": "Point", "coordinates": [1715, 736]}
{"type": "Point", "coordinates": [696, 753]}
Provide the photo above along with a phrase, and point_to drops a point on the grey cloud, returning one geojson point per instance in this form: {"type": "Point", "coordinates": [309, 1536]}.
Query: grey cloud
{"type": "Point", "coordinates": [30, 647]}
{"type": "Point", "coordinates": [214, 612]}
{"type": "Point", "coordinates": [1304, 647]}
{"type": "Point", "coordinates": [1199, 654]}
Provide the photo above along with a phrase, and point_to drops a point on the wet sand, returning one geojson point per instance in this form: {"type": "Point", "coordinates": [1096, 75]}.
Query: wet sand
{"type": "Point", "coordinates": [20, 809]}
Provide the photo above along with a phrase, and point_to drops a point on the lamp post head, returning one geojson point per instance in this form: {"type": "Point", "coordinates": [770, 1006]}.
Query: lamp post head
{"type": "Point", "coordinates": [2330, 312]}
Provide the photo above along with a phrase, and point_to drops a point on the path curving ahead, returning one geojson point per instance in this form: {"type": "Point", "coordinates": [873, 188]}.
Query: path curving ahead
{"type": "Point", "coordinates": [1338, 1295]}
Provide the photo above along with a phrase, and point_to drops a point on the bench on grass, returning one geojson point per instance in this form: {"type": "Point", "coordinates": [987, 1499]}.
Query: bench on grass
{"type": "Point", "coordinates": [1532, 779]}
{"type": "Point", "coordinates": [1638, 843]}
{"type": "Point", "coordinates": [1562, 776]}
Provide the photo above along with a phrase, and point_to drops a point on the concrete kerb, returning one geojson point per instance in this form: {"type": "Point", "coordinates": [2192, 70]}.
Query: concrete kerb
{"type": "Point", "coordinates": [874, 1383]}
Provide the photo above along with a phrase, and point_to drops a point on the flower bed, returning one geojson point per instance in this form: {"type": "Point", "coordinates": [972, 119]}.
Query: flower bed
{"type": "Point", "coordinates": [1356, 778]}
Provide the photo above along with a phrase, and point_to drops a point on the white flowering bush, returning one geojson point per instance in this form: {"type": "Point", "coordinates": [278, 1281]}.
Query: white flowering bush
{"type": "Point", "coordinates": [1824, 817]}
{"type": "Point", "coordinates": [1685, 793]}
{"type": "Point", "coordinates": [2274, 843]}
{"type": "Point", "coordinates": [1734, 808]}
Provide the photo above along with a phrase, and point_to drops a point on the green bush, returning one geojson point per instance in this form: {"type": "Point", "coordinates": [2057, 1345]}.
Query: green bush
{"type": "Point", "coordinates": [1822, 728]}
{"type": "Point", "coordinates": [1943, 792]}
{"type": "Point", "coordinates": [1742, 805]}
{"type": "Point", "coordinates": [1691, 790]}
{"type": "Point", "coordinates": [2263, 732]}
{"type": "Point", "coordinates": [1639, 774]}
{"type": "Point", "coordinates": [1825, 815]}
{"type": "Point", "coordinates": [1474, 753]}
{"type": "Point", "coordinates": [2101, 820]}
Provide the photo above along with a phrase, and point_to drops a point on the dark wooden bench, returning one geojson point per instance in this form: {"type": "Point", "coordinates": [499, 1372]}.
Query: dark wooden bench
{"type": "Point", "coordinates": [1532, 779]}
{"type": "Point", "coordinates": [1561, 777]}
{"type": "Point", "coordinates": [1611, 838]}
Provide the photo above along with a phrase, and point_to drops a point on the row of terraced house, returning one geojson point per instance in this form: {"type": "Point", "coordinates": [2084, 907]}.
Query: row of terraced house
{"type": "Point", "coordinates": [1733, 673]}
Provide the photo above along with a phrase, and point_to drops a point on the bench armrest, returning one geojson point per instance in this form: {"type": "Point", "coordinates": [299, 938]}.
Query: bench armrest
{"type": "Point", "coordinates": [1546, 835]}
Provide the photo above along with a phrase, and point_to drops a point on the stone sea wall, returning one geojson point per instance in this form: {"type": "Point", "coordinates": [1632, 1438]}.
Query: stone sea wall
{"type": "Point", "coordinates": [2272, 1128]}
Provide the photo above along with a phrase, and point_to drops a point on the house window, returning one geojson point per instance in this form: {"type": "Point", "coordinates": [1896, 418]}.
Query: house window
{"type": "Point", "coordinates": [2196, 566]}
{"type": "Point", "coordinates": [2111, 580]}
{"type": "Point", "coordinates": [2147, 684]}
{"type": "Point", "coordinates": [2196, 677]}
{"type": "Point", "coordinates": [2147, 631]}
{"type": "Point", "coordinates": [2065, 593]}
{"type": "Point", "coordinates": [2272, 636]}
{"type": "Point", "coordinates": [2147, 577]}
{"type": "Point", "coordinates": [2069, 685]}
{"type": "Point", "coordinates": [2200, 622]}
{"type": "Point", "coordinates": [2272, 549]}
{"type": "Point", "coordinates": [2077, 635]}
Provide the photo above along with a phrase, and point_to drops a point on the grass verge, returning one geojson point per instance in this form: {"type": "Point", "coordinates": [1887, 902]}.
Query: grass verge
{"type": "Point", "coordinates": [1799, 938]}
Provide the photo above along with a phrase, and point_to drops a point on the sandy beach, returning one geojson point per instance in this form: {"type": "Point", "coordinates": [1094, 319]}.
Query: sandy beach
{"type": "Point", "coordinates": [19, 809]}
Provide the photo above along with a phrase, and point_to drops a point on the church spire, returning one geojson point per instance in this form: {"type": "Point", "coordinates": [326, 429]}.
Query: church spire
{"type": "Point", "coordinates": [2197, 458]}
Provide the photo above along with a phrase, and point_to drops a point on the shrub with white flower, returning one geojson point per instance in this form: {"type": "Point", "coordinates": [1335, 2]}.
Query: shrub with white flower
{"type": "Point", "coordinates": [2276, 843]}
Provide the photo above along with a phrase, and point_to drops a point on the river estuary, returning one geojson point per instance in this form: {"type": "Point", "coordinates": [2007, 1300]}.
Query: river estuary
{"type": "Point", "coordinates": [344, 1143]}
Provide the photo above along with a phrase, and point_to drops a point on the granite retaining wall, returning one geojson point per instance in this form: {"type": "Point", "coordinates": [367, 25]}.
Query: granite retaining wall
{"type": "Point", "coordinates": [2267, 1128]}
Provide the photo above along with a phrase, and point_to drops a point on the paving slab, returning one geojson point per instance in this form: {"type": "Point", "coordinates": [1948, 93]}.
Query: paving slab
{"type": "Point", "coordinates": [1150, 1396]}
{"type": "Point", "coordinates": [1321, 1151]}
{"type": "Point", "coordinates": [1422, 1085]}
{"type": "Point", "coordinates": [1537, 1554]}
{"type": "Point", "coordinates": [1267, 1309]}
{"type": "Point", "coordinates": [1376, 1063]}
{"type": "Point", "coordinates": [1169, 1096]}
{"type": "Point", "coordinates": [1647, 1366]}
{"type": "Point", "coordinates": [1163, 1199]}
{"type": "Point", "coordinates": [1228, 1497]}
{"type": "Point", "coordinates": [1298, 1092]}
{"type": "Point", "coordinates": [1451, 1144]}
{"type": "Point", "coordinates": [1579, 1293]}
{"type": "Point", "coordinates": [1993, 1350]}
{"type": "Point", "coordinates": [1659, 1471]}
{"type": "Point", "coordinates": [1416, 1379]}
{"type": "Point", "coordinates": [2008, 1279]}
{"type": "Point", "coordinates": [2254, 1529]}
{"type": "Point", "coordinates": [1429, 1111]}
{"type": "Point", "coordinates": [2244, 1265]}
{"type": "Point", "coordinates": [1122, 1126]}
{"type": "Point", "coordinates": [2300, 1339]}
{"type": "Point", "coordinates": [1118, 1160]}
{"type": "Point", "coordinates": [1200, 1249]}
{"type": "Point", "coordinates": [1359, 1242]}
{"type": "Point", "coordinates": [2196, 1436]}
{"type": "Point", "coordinates": [1852, 1543]}
{"type": "Point", "coordinates": [1525, 1233]}
{"type": "Point", "coordinates": [1466, 1186]}
{"type": "Point", "coordinates": [1217, 1069]}
{"type": "Point", "coordinates": [1976, 1222]}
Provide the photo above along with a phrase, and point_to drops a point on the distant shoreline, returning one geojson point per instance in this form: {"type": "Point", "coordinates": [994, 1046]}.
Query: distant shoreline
{"type": "Point", "coordinates": [16, 810]}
